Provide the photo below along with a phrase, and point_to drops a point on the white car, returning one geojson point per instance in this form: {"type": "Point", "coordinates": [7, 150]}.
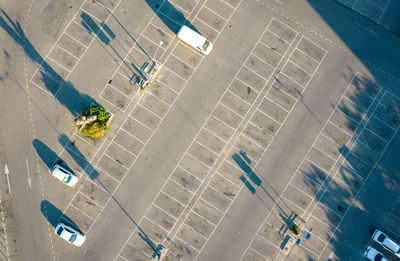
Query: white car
{"type": "Point", "coordinates": [382, 239]}
{"type": "Point", "coordinates": [69, 234]}
{"type": "Point", "coordinates": [374, 255]}
{"type": "Point", "coordinates": [64, 175]}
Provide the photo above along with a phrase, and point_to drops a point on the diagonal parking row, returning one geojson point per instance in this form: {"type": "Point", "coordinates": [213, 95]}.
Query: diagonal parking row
{"type": "Point", "coordinates": [119, 156]}
{"type": "Point", "coordinates": [323, 183]}
{"type": "Point", "coordinates": [391, 221]}
{"type": "Point", "coordinates": [272, 112]}
{"type": "Point", "coordinates": [184, 183]}
{"type": "Point", "coordinates": [253, 141]}
{"type": "Point", "coordinates": [69, 48]}
{"type": "Point", "coordinates": [178, 67]}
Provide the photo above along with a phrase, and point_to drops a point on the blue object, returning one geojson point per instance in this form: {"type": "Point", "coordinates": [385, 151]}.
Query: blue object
{"type": "Point", "coordinates": [298, 241]}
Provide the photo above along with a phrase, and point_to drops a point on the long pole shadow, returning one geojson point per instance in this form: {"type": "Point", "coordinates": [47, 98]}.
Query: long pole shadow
{"type": "Point", "coordinates": [71, 98]}
{"type": "Point", "coordinates": [94, 175]}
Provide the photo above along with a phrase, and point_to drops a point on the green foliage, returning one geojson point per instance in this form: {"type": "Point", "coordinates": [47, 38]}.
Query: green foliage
{"type": "Point", "coordinates": [143, 86]}
{"type": "Point", "coordinates": [94, 130]}
{"type": "Point", "coordinates": [99, 127]}
{"type": "Point", "coordinates": [296, 229]}
{"type": "Point", "coordinates": [102, 115]}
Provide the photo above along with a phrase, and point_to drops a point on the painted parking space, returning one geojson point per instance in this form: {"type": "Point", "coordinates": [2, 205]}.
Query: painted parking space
{"type": "Point", "coordinates": [336, 196]}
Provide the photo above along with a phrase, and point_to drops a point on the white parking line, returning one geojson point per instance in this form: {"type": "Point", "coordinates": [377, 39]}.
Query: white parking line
{"type": "Point", "coordinates": [124, 257]}
{"type": "Point", "coordinates": [251, 141]}
{"type": "Point", "coordinates": [116, 143]}
{"type": "Point", "coordinates": [156, 206]}
{"type": "Point", "coordinates": [105, 172]}
{"type": "Point", "coordinates": [191, 228]}
{"type": "Point", "coordinates": [187, 243]}
{"type": "Point", "coordinates": [208, 25]}
{"type": "Point", "coordinates": [122, 129]}
{"type": "Point", "coordinates": [384, 123]}
{"type": "Point", "coordinates": [73, 38]}
{"type": "Point", "coordinates": [257, 253]}
{"type": "Point", "coordinates": [262, 112]}
{"type": "Point", "coordinates": [62, 66]}
{"type": "Point", "coordinates": [224, 140]}
{"type": "Point", "coordinates": [316, 164]}
{"type": "Point", "coordinates": [263, 61]}
{"type": "Point", "coordinates": [51, 49]}
{"type": "Point", "coordinates": [301, 68]}
{"type": "Point", "coordinates": [234, 94]}
{"type": "Point", "coordinates": [119, 164]}
{"type": "Point", "coordinates": [219, 192]}
{"type": "Point", "coordinates": [150, 111]}
{"type": "Point", "coordinates": [221, 121]}
{"type": "Point", "coordinates": [86, 196]}
{"type": "Point", "coordinates": [278, 37]}
{"type": "Point", "coordinates": [189, 173]}
{"type": "Point", "coordinates": [184, 188]}
{"type": "Point", "coordinates": [172, 197]}
{"type": "Point", "coordinates": [198, 161]}
{"type": "Point", "coordinates": [251, 70]}
{"type": "Point", "coordinates": [158, 28]}
{"type": "Point", "coordinates": [205, 219]}
{"type": "Point", "coordinates": [72, 205]}
{"type": "Point", "coordinates": [224, 178]}
{"type": "Point", "coordinates": [252, 88]}
{"type": "Point", "coordinates": [226, 106]}
{"type": "Point", "coordinates": [298, 50]}
{"type": "Point", "coordinates": [59, 47]}
{"type": "Point", "coordinates": [176, 57]}
{"type": "Point", "coordinates": [153, 95]}
{"type": "Point", "coordinates": [82, 139]}
{"type": "Point", "coordinates": [283, 198]}
{"type": "Point", "coordinates": [265, 97]}
{"type": "Point", "coordinates": [205, 6]}
{"type": "Point", "coordinates": [323, 152]}
{"type": "Point", "coordinates": [369, 174]}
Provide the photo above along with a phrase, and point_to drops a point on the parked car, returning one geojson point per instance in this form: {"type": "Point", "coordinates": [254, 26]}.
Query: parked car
{"type": "Point", "coordinates": [385, 241]}
{"type": "Point", "coordinates": [69, 234]}
{"type": "Point", "coordinates": [374, 255]}
{"type": "Point", "coordinates": [64, 175]}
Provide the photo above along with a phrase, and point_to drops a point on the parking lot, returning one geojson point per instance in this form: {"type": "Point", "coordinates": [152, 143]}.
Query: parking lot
{"type": "Point", "coordinates": [220, 149]}
{"type": "Point", "coordinates": [205, 182]}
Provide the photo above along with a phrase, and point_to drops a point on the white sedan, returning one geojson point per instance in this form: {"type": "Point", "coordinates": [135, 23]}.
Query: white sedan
{"type": "Point", "coordinates": [374, 255]}
{"type": "Point", "coordinates": [64, 175]}
{"type": "Point", "coordinates": [69, 234]}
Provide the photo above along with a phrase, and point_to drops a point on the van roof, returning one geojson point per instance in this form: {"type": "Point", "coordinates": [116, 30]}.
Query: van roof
{"type": "Point", "coordinates": [190, 36]}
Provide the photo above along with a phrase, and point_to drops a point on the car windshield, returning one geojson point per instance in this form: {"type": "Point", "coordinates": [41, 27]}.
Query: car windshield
{"type": "Point", "coordinates": [205, 45]}
{"type": "Point", "coordinates": [378, 257]}
{"type": "Point", "coordinates": [72, 238]}
{"type": "Point", "coordinates": [59, 231]}
{"type": "Point", "coordinates": [67, 178]}
{"type": "Point", "coordinates": [381, 238]}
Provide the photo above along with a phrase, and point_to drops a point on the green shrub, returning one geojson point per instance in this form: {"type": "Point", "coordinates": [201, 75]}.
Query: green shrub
{"type": "Point", "coordinates": [99, 127]}
{"type": "Point", "coordinates": [296, 229]}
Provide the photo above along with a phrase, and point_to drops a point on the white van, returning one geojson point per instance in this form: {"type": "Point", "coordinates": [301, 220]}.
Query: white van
{"type": "Point", "coordinates": [194, 39]}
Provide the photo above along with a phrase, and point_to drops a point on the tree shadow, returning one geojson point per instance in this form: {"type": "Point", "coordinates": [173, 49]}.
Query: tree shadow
{"type": "Point", "coordinates": [64, 91]}
{"type": "Point", "coordinates": [169, 15]}
{"type": "Point", "coordinates": [356, 196]}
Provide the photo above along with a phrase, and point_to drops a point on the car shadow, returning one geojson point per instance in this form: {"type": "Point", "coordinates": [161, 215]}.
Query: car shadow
{"type": "Point", "coordinates": [54, 215]}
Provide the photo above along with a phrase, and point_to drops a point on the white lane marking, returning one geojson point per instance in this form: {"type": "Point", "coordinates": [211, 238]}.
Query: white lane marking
{"type": "Point", "coordinates": [29, 179]}
{"type": "Point", "coordinates": [7, 172]}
